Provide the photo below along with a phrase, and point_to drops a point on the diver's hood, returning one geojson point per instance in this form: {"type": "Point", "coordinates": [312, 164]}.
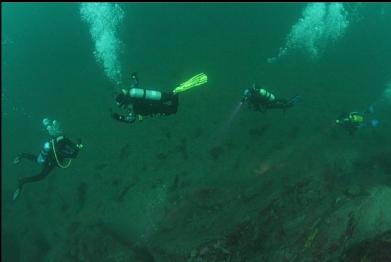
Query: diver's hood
{"type": "Point", "coordinates": [246, 95]}
{"type": "Point", "coordinates": [121, 99]}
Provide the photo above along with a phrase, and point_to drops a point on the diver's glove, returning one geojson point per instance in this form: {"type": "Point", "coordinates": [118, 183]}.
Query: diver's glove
{"type": "Point", "coordinates": [134, 78]}
{"type": "Point", "coordinates": [130, 118]}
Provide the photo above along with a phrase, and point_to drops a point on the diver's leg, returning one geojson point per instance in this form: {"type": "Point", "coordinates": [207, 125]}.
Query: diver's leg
{"type": "Point", "coordinates": [257, 106]}
{"type": "Point", "coordinates": [175, 103]}
{"type": "Point", "coordinates": [280, 104]}
{"type": "Point", "coordinates": [172, 108]}
{"type": "Point", "coordinates": [30, 157]}
{"type": "Point", "coordinates": [353, 128]}
{"type": "Point", "coordinates": [260, 108]}
{"type": "Point", "coordinates": [27, 156]}
{"type": "Point", "coordinates": [44, 172]}
{"type": "Point", "coordinates": [168, 96]}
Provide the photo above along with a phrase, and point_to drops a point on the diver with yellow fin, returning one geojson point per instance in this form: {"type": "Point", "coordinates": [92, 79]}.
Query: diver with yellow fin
{"type": "Point", "coordinates": [141, 102]}
{"type": "Point", "coordinates": [354, 120]}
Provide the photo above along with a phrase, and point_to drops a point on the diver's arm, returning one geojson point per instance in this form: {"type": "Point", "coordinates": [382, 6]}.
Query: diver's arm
{"type": "Point", "coordinates": [129, 119]}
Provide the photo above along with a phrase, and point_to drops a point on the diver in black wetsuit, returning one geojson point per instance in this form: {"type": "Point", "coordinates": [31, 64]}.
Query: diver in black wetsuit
{"type": "Point", "coordinates": [260, 100]}
{"type": "Point", "coordinates": [355, 120]}
{"type": "Point", "coordinates": [141, 102]}
{"type": "Point", "coordinates": [57, 152]}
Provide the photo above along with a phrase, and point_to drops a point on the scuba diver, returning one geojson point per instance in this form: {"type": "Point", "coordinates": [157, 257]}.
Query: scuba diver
{"type": "Point", "coordinates": [354, 120]}
{"type": "Point", "coordinates": [260, 100]}
{"type": "Point", "coordinates": [140, 102]}
{"type": "Point", "coordinates": [57, 152]}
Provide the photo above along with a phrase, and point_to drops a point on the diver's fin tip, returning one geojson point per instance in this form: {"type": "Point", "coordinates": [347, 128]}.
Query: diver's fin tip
{"type": "Point", "coordinates": [196, 80]}
{"type": "Point", "coordinates": [16, 194]}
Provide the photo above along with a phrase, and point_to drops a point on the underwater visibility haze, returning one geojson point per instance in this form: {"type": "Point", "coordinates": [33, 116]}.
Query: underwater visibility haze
{"type": "Point", "coordinates": [270, 141]}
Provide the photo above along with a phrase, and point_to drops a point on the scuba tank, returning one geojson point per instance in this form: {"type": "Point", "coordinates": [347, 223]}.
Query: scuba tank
{"type": "Point", "coordinates": [267, 95]}
{"type": "Point", "coordinates": [355, 118]}
{"type": "Point", "coordinates": [140, 93]}
{"type": "Point", "coordinates": [44, 153]}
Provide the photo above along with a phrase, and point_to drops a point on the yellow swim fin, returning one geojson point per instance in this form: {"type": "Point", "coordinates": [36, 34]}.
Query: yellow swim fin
{"type": "Point", "coordinates": [197, 80]}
